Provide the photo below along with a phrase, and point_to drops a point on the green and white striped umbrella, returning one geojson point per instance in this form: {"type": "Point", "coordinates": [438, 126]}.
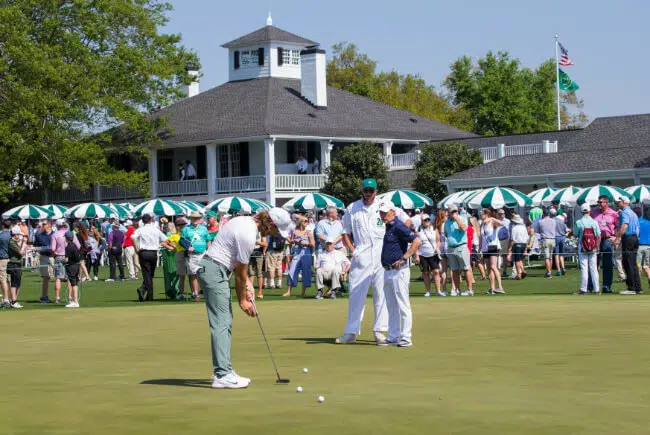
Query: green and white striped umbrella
{"type": "Point", "coordinates": [590, 195]}
{"type": "Point", "coordinates": [128, 205]}
{"type": "Point", "coordinates": [406, 199]}
{"type": "Point", "coordinates": [457, 198]}
{"type": "Point", "coordinates": [58, 211]}
{"type": "Point", "coordinates": [191, 206]}
{"type": "Point", "coordinates": [121, 211]}
{"type": "Point", "coordinates": [539, 195]}
{"type": "Point", "coordinates": [27, 211]}
{"type": "Point", "coordinates": [236, 204]}
{"type": "Point", "coordinates": [499, 197]}
{"type": "Point", "coordinates": [158, 207]}
{"type": "Point", "coordinates": [90, 210]}
{"type": "Point", "coordinates": [311, 202]}
{"type": "Point", "coordinates": [640, 193]}
{"type": "Point", "coordinates": [562, 197]}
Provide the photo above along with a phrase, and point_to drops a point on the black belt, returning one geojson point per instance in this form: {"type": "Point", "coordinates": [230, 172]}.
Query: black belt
{"type": "Point", "coordinates": [4, 258]}
{"type": "Point", "coordinates": [148, 250]}
{"type": "Point", "coordinates": [393, 267]}
{"type": "Point", "coordinates": [456, 246]}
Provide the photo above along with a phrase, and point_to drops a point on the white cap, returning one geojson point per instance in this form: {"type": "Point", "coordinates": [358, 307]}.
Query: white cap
{"type": "Point", "coordinates": [417, 210]}
{"type": "Point", "coordinates": [128, 222]}
{"type": "Point", "coordinates": [425, 216]}
{"type": "Point", "coordinates": [386, 206]}
{"type": "Point", "coordinates": [554, 211]}
{"type": "Point", "coordinates": [330, 240]}
{"type": "Point", "coordinates": [16, 231]}
{"type": "Point", "coordinates": [281, 219]}
{"type": "Point", "coordinates": [60, 222]}
{"type": "Point", "coordinates": [585, 207]}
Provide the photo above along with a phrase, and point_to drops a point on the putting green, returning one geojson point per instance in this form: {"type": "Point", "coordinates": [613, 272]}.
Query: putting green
{"type": "Point", "coordinates": [500, 365]}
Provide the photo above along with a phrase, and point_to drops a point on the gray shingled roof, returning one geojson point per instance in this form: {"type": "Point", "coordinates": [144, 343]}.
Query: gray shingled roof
{"type": "Point", "coordinates": [626, 140]}
{"type": "Point", "coordinates": [274, 106]}
{"type": "Point", "coordinates": [266, 34]}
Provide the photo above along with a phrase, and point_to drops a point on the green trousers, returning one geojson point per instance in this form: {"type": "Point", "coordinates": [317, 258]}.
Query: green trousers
{"type": "Point", "coordinates": [214, 279]}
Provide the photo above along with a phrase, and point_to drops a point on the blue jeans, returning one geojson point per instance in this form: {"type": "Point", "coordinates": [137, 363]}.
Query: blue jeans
{"type": "Point", "coordinates": [606, 261]}
{"type": "Point", "coordinates": [301, 262]}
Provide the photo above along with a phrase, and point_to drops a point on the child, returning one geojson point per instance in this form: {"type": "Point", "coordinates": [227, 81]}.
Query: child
{"type": "Point", "coordinates": [17, 249]}
{"type": "Point", "coordinates": [72, 265]}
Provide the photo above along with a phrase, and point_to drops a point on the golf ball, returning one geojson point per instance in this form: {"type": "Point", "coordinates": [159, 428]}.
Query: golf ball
{"type": "Point", "coordinates": [321, 399]}
{"type": "Point", "coordinates": [299, 389]}
{"type": "Point", "coordinates": [305, 370]}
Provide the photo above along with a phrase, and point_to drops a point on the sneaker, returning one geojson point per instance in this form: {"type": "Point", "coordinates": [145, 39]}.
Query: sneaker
{"type": "Point", "coordinates": [95, 279]}
{"type": "Point", "coordinates": [388, 343]}
{"type": "Point", "coordinates": [57, 301]}
{"type": "Point", "coordinates": [346, 338]}
{"type": "Point", "coordinates": [119, 279]}
{"type": "Point", "coordinates": [563, 272]}
{"type": "Point", "coordinates": [45, 300]}
{"type": "Point", "coordinates": [499, 291]}
{"type": "Point", "coordinates": [72, 305]}
{"type": "Point", "coordinates": [196, 297]}
{"type": "Point", "coordinates": [467, 293]}
{"type": "Point", "coordinates": [109, 280]}
{"type": "Point", "coordinates": [513, 275]}
{"type": "Point", "coordinates": [627, 292]}
{"type": "Point", "coordinates": [490, 291]}
{"type": "Point", "coordinates": [524, 275]}
{"type": "Point", "coordinates": [404, 343]}
{"type": "Point", "coordinates": [247, 380]}
{"type": "Point", "coordinates": [580, 292]}
{"type": "Point", "coordinates": [558, 273]}
{"type": "Point", "coordinates": [640, 292]}
{"type": "Point", "coordinates": [319, 294]}
{"type": "Point", "coordinates": [427, 294]}
{"type": "Point", "coordinates": [442, 294]}
{"type": "Point", "coordinates": [231, 380]}
{"type": "Point", "coordinates": [140, 291]}
{"type": "Point", "coordinates": [5, 304]}
{"type": "Point", "coordinates": [181, 298]}
{"type": "Point", "coordinates": [547, 275]}
{"type": "Point", "coordinates": [333, 295]}
{"type": "Point", "coordinates": [16, 305]}
{"type": "Point", "coordinates": [454, 293]}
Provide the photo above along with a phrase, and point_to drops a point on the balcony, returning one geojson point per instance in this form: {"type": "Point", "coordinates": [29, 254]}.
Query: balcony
{"type": "Point", "coordinates": [299, 183]}
{"type": "Point", "coordinates": [117, 193]}
{"type": "Point", "coordinates": [500, 151]}
{"type": "Point", "coordinates": [255, 183]}
{"type": "Point", "coordinates": [71, 196]}
{"type": "Point", "coordinates": [401, 161]}
{"type": "Point", "coordinates": [182, 188]}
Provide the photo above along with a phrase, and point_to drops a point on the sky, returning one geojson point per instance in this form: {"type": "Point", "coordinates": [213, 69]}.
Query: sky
{"type": "Point", "coordinates": [608, 41]}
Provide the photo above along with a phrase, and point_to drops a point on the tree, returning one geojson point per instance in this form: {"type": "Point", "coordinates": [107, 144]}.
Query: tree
{"type": "Point", "coordinates": [71, 73]}
{"type": "Point", "coordinates": [501, 96]}
{"type": "Point", "coordinates": [439, 161]}
{"type": "Point", "coordinates": [350, 166]}
{"type": "Point", "coordinates": [355, 72]}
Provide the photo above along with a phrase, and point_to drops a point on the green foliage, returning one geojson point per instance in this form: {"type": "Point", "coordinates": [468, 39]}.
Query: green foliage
{"type": "Point", "coordinates": [355, 72]}
{"type": "Point", "coordinates": [439, 161]}
{"type": "Point", "coordinates": [70, 69]}
{"type": "Point", "coordinates": [350, 166]}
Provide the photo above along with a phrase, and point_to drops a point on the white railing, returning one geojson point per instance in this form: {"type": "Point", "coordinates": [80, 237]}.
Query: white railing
{"type": "Point", "coordinates": [253, 183]}
{"type": "Point", "coordinates": [489, 154]}
{"type": "Point", "coordinates": [181, 188]}
{"type": "Point", "coordinates": [406, 160]}
{"type": "Point", "coordinates": [299, 183]}
{"type": "Point", "coordinates": [522, 150]}
{"type": "Point", "coordinates": [552, 147]}
{"type": "Point", "coordinates": [71, 196]}
{"type": "Point", "coordinates": [112, 193]}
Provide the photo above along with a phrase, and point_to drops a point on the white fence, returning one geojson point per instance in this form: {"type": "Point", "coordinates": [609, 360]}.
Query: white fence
{"type": "Point", "coordinates": [489, 154]}
{"type": "Point", "coordinates": [181, 188]}
{"type": "Point", "coordinates": [493, 153]}
{"type": "Point", "coordinates": [299, 183]}
{"type": "Point", "coordinates": [406, 160]}
{"type": "Point", "coordinates": [253, 183]}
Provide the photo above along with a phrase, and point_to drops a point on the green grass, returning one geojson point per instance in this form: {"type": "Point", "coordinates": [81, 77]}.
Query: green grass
{"type": "Point", "coordinates": [536, 361]}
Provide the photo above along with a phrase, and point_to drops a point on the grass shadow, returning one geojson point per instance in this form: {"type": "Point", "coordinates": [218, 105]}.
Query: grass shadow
{"type": "Point", "coordinates": [328, 340]}
{"type": "Point", "coordinates": [193, 383]}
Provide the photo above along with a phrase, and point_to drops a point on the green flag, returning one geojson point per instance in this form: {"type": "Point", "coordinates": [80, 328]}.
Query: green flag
{"type": "Point", "coordinates": [566, 84]}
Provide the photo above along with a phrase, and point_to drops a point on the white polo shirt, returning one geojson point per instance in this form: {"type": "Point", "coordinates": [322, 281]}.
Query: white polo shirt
{"type": "Point", "coordinates": [364, 224]}
{"type": "Point", "coordinates": [149, 237]}
{"type": "Point", "coordinates": [329, 260]}
{"type": "Point", "coordinates": [235, 242]}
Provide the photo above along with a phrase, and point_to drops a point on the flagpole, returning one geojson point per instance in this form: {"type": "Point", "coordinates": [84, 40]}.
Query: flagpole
{"type": "Point", "coordinates": [557, 83]}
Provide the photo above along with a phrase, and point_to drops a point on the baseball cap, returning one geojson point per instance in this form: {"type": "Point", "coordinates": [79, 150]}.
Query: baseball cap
{"type": "Point", "coordinates": [330, 240]}
{"type": "Point", "coordinates": [452, 207]}
{"type": "Point", "coordinates": [417, 210]}
{"type": "Point", "coordinates": [69, 235]}
{"type": "Point", "coordinates": [60, 222]}
{"type": "Point", "coordinates": [553, 211]}
{"type": "Point", "coordinates": [585, 207]}
{"type": "Point", "coordinates": [128, 222]}
{"type": "Point", "coordinates": [212, 214]}
{"type": "Point", "coordinates": [425, 217]}
{"type": "Point", "coordinates": [369, 183]}
{"type": "Point", "coordinates": [16, 230]}
{"type": "Point", "coordinates": [624, 199]}
{"type": "Point", "coordinates": [195, 214]}
{"type": "Point", "coordinates": [281, 219]}
{"type": "Point", "coordinates": [386, 206]}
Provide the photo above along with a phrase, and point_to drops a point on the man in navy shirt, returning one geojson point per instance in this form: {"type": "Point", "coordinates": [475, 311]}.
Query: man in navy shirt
{"type": "Point", "coordinates": [42, 243]}
{"type": "Point", "coordinates": [397, 275]}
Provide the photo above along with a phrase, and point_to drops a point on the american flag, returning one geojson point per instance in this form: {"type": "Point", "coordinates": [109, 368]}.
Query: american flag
{"type": "Point", "coordinates": [564, 57]}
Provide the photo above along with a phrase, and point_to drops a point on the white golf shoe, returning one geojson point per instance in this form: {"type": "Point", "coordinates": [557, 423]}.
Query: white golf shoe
{"type": "Point", "coordinates": [380, 337]}
{"type": "Point", "coordinates": [230, 381]}
{"type": "Point", "coordinates": [248, 380]}
{"type": "Point", "coordinates": [346, 338]}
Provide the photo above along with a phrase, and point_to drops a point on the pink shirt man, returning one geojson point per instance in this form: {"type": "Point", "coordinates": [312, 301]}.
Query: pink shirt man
{"type": "Point", "coordinates": [58, 242]}
{"type": "Point", "coordinates": [607, 221]}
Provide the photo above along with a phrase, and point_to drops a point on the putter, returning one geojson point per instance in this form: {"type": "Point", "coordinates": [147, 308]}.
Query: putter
{"type": "Point", "coordinates": [279, 380]}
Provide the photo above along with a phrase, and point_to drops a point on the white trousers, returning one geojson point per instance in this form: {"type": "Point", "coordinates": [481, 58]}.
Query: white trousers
{"type": "Point", "coordinates": [366, 269]}
{"type": "Point", "coordinates": [588, 266]}
{"type": "Point", "coordinates": [333, 275]}
{"type": "Point", "coordinates": [132, 262]}
{"type": "Point", "coordinates": [400, 317]}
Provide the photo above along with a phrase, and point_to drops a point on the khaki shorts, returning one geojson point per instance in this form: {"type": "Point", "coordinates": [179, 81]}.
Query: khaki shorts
{"type": "Point", "coordinates": [194, 263]}
{"type": "Point", "coordinates": [46, 266]}
{"type": "Point", "coordinates": [548, 247]}
{"type": "Point", "coordinates": [643, 256]}
{"type": "Point", "coordinates": [458, 258]}
{"type": "Point", "coordinates": [181, 263]}
{"type": "Point", "coordinates": [255, 267]}
{"type": "Point", "coordinates": [273, 262]}
{"type": "Point", "coordinates": [3, 270]}
{"type": "Point", "coordinates": [59, 268]}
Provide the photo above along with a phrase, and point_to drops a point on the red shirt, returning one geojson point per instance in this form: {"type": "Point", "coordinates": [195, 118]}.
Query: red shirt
{"type": "Point", "coordinates": [127, 237]}
{"type": "Point", "coordinates": [470, 237]}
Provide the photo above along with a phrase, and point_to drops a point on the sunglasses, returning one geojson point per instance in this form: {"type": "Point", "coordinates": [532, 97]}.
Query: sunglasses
{"type": "Point", "coordinates": [368, 190]}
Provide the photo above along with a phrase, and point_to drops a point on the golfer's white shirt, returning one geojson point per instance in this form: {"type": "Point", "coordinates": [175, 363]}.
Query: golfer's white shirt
{"type": "Point", "coordinates": [235, 243]}
{"type": "Point", "coordinates": [364, 224]}
{"type": "Point", "coordinates": [149, 237]}
{"type": "Point", "coordinates": [329, 260]}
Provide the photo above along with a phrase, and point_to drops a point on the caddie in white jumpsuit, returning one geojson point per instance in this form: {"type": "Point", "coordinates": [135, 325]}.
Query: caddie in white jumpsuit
{"type": "Point", "coordinates": [363, 224]}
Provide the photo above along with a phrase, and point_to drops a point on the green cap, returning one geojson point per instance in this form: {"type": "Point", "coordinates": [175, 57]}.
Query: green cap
{"type": "Point", "coordinates": [213, 214]}
{"type": "Point", "coordinates": [369, 183]}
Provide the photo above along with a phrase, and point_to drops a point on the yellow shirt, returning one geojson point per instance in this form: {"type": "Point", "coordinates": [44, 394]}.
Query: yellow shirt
{"type": "Point", "coordinates": [175, 239]}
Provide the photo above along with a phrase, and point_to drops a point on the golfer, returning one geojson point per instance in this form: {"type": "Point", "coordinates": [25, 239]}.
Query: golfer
{"type": "Point", "coordinates": [229, 252]}
{"type": "Point", "coordinates": [363, 223]}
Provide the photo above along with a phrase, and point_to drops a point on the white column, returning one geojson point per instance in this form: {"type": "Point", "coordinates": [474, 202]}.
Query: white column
{"type": "Point", "coordinates": [325, 153]}
{"type": "Point", "coordinates": [269, 162]}
{"type": "Point", "coordinates": [211, 166]}
{"type": "Point", "coordinates": [388, 151]}
{"type": "Point", "coordinates": [637, 179]}
{"type": "Point", "coordinates": [501, 150]}
{"type": "Point", "coordinates": [546, 147]}
{"type": "Point", "coordinates": [153, 172]}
